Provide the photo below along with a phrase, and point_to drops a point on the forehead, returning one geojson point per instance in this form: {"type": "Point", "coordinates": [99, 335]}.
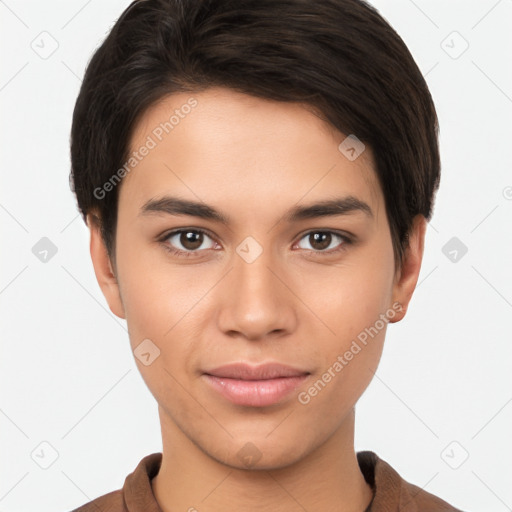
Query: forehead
{"type": "Point", "coordinates": [230, 144]}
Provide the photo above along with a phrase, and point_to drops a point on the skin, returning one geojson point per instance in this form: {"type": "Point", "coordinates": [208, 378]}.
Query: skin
{"type": "Point", "coordinates": [253, 159]}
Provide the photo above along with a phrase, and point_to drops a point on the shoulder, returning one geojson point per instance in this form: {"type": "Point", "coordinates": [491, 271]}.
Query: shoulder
{"type": "Point", "coordinates": [392, 492]}
{"type": "Point", "coordinates": [111, 502]}
{"type": "Point", "coordinates": [136, 494]}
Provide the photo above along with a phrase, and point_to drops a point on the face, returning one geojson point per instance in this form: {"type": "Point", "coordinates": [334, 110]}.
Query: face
{"type": "Point", "coordinates": [251, 273]}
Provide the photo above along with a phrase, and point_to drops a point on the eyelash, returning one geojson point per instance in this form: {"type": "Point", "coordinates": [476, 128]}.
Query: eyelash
{"type": "Point", "coordinates": [346, 240]}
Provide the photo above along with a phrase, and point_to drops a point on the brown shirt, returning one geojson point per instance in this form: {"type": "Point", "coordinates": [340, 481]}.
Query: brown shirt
{"type": "Point", "coordinates": [391, 492]}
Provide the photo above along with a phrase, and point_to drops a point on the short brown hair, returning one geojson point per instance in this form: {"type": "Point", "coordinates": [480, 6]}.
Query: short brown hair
{"type": "Point", "coordinates": [339, 56]}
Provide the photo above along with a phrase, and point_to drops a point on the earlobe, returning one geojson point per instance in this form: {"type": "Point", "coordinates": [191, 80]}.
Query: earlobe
{"type": "Point", "coordinates": [103, 270]}
{"type": "Point", "coordinates": [407, 277]}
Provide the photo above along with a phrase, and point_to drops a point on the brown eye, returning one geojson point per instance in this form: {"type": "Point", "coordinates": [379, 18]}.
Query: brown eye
{"type": "Point", "coordinates": [191, 240]}
{"type": "Point", "coordinates": [319, 241]}
{"type": "Point", "coordinates": [188, 240]}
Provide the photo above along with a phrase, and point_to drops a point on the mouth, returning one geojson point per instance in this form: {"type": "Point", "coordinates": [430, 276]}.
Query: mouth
{"type": "Point", "coordinates": [255, 386]}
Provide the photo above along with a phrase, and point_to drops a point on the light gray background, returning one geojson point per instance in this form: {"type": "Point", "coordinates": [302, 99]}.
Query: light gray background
{"type": "Point", "coordinates": [68, 378]}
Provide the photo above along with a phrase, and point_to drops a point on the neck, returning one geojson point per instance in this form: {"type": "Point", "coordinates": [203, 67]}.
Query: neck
{"type": "Point", "coordinates": [328, 478]}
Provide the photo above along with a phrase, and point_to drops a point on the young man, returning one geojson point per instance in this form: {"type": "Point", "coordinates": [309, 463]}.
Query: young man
{"type": "Point", "coordinates": [257, 177]}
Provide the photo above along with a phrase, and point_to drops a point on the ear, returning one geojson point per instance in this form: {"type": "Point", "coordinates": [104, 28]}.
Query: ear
{"type": "Point", "coordinates": [105, 274]}
{"type": "Point", "coordinates": [406, 277]}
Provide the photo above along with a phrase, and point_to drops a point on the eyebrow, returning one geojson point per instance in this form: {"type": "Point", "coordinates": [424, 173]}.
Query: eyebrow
{"type": "Point", "coordinates": [332, 207]}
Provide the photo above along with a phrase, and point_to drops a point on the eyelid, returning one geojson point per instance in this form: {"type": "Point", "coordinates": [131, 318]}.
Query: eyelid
{"type": "Point", "coordinates": [168, 234]}
{"type": "Point", "coordinates": [343, 234]}
{"type": "Point", "coordinates": [172, 232]}
{"type": "Point", "coordinates": [347, 239]}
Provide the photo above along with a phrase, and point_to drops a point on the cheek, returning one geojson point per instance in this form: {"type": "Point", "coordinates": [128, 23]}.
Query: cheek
{"type": "Point", "coordinates": [349, 366]}
{"type": "Point", "coordinates": [155, 294]}
{"type": "Point", "coordinates": [355, 305]}
{"type": "Point", "coordinates": [158, 325]}
{"type": "Point", "coordinates": [349, 298]}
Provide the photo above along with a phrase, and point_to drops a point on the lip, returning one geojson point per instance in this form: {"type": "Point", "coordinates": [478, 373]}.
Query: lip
{"type": "Point", "coordinates": [255, 386]}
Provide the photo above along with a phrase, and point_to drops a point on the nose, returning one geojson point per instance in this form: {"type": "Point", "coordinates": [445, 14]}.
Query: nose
{"type": "Point", "coordinates": [256, 300]}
